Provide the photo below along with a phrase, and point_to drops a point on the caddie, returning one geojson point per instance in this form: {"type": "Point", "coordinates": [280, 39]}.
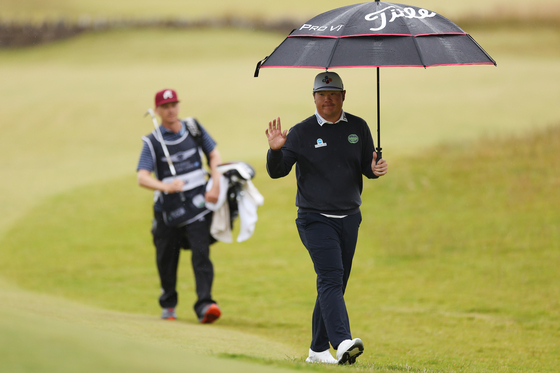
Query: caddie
{"type": "Point", "coordinates": [181, 222]}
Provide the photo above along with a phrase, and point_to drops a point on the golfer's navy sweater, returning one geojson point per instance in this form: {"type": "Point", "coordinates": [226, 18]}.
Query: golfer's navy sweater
{"type": "Point", "coordinates": [330, 161]}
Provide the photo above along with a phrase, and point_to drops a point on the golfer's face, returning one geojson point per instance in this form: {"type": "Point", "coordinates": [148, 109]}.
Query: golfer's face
{"type": "Point", "coordinates": [329, 104]}
{"type": "Point", "coordinates": [169, 112]}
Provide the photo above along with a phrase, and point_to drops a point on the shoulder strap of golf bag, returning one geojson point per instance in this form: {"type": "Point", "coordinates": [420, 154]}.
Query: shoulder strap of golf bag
{"type": "Point", "coordinates": [193, 127]}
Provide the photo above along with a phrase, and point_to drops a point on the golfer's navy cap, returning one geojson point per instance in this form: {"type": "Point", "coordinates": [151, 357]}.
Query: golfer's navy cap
{"type": "Point", "coordinates": [166, 95]}
{"type": "Point", "coordinates": [328, 81]}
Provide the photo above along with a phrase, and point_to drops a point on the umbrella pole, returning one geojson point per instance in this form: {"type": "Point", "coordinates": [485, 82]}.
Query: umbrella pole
{"type": "Point", "coordinates": [378, 149]}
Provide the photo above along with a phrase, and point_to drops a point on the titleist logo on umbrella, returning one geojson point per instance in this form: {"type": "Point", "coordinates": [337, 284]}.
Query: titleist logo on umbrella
{"type": "Point", "coordinates": [397, 13]}
{"type": "Point", "coordinates": [380, 17]}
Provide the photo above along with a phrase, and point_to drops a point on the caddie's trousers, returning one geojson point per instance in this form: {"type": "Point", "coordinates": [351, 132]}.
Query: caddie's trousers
{"type": "Point", "coordinates": [331, 243]}
{"type": "Point", "coordinates": [168, 242]}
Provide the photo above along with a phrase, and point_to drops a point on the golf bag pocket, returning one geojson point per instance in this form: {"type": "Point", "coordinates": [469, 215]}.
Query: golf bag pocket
{"type": "Point", "coordinates": [183, 208]}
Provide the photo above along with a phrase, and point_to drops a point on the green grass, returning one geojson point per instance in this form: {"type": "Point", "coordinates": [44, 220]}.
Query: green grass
{"type": "Point", "coordinates": [456, 265]}
{"type": "Point", "coordinates": [43, 333]}
{"type": "Point", "coordinates": [456, 268]}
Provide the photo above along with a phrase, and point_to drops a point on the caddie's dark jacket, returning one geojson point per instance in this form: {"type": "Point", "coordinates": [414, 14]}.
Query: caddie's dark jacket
{"type": "Point", "coordinates": [330, 161]}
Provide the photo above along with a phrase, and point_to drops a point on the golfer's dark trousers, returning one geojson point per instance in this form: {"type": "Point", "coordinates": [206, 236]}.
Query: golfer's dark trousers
{"type": "Point", "coordinates": [168, 242]}
{"type": "Point", "coordinates": [331, 243]}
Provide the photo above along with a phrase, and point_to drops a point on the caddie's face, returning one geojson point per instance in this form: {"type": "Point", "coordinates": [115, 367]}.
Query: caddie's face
{"type": "Point", "coordinates": [329, 104]}
{"type": "Point", "coordinates": [168, 112]}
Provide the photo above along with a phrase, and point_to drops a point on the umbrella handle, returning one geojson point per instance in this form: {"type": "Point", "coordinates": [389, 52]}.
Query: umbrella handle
{"type": "Point", "coordinates": [379, 154]}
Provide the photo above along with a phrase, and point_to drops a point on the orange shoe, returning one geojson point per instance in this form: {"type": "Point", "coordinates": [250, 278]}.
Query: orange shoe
{"type": "Point", "coordinates": [210, 314]}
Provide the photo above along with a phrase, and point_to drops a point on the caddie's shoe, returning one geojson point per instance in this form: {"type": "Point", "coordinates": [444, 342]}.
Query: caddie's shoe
{"type": "Point", "coordinates": [168, 314]}
{"type": "Point", "coordinates": [324, 357]}
{"type": "Point", "coordinates": [210, 313]}
{"type": "Point", "coordinates": [348, 350]}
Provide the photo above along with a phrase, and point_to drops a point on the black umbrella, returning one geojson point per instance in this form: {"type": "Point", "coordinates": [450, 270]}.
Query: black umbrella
{"type": "Point", "coordinates": [377, 34]}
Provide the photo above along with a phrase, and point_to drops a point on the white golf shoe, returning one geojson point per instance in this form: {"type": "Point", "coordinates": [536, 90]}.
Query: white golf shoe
{"type": "Point", "coordinates": [324, 357]}
{"type": "Point", "coordinates": [348, 350]}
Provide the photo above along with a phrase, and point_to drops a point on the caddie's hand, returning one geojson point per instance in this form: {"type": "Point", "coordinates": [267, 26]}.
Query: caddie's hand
{"type": "Point", "coordinates": [276, 138]}
{"type": "Point", "coordinates": [213, 194]}
{"type": "Point", "coordinates": [378, 168]}
{"type": "Point", "coordinates": [174, 187]}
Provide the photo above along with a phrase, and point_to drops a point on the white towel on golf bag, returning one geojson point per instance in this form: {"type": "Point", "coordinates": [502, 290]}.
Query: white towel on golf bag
{"type": "Point", "coordinates": [250, 200]}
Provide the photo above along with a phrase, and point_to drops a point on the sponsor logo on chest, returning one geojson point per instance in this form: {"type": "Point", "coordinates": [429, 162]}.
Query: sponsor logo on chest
{"type": "Point", "coordinates": [320, 143]}
{"type": "Point", "coordinates": [352, 139]}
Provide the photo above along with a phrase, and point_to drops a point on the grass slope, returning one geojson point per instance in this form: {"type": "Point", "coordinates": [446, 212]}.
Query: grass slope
{"type": "Point", "coordinates": [456, 268]}
{"type": "Point", "coordinates": [41, 333]}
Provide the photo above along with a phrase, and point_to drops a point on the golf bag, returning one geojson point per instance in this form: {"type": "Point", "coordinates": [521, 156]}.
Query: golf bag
{"type": "Point", "coordinates": [237, 174]}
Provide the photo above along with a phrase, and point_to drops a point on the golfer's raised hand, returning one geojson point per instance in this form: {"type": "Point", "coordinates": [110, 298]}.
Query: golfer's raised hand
{"type": "Point", "coordinates": [378, 168]}
{"type": "Point", "coordinates": [276, 138]}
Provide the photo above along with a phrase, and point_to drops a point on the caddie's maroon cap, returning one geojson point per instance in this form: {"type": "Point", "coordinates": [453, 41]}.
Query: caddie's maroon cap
{"type": "Point", "coordinates": [166, 95]}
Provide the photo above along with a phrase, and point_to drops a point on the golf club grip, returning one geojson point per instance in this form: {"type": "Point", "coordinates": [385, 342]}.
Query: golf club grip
{"type": "Point", "coordinates": [379, 155]}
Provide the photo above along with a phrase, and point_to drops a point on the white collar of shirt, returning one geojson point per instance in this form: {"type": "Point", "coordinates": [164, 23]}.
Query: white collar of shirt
{"type": "Point", "coordinates": [322, 120]}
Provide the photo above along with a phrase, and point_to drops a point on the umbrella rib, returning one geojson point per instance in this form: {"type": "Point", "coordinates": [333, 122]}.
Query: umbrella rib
{"type": "Point", "coordinates": [261, 62]}
{"type": "Point", "coordinates": [416, 45]}
{"type": "Point", "coordinates": [482, 49]}
{"type": "Point", "coordinates": [419, 51]}
{"type": "Point", "coordinates": [332, 53]}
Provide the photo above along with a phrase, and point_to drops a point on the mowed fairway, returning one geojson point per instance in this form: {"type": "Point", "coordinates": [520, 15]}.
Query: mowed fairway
{"type": "Point", "coordinates": [456, 265]}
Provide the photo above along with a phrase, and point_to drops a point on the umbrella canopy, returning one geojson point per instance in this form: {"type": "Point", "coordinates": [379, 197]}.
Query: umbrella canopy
{"type": "Point", "coordinates": [376, 34]}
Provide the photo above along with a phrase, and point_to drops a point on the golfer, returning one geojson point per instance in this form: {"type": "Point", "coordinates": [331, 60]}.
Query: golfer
{"type": "Point", "coordinates": [191, 180]}
{"type": "Point", "coordinates": [331, 150]}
